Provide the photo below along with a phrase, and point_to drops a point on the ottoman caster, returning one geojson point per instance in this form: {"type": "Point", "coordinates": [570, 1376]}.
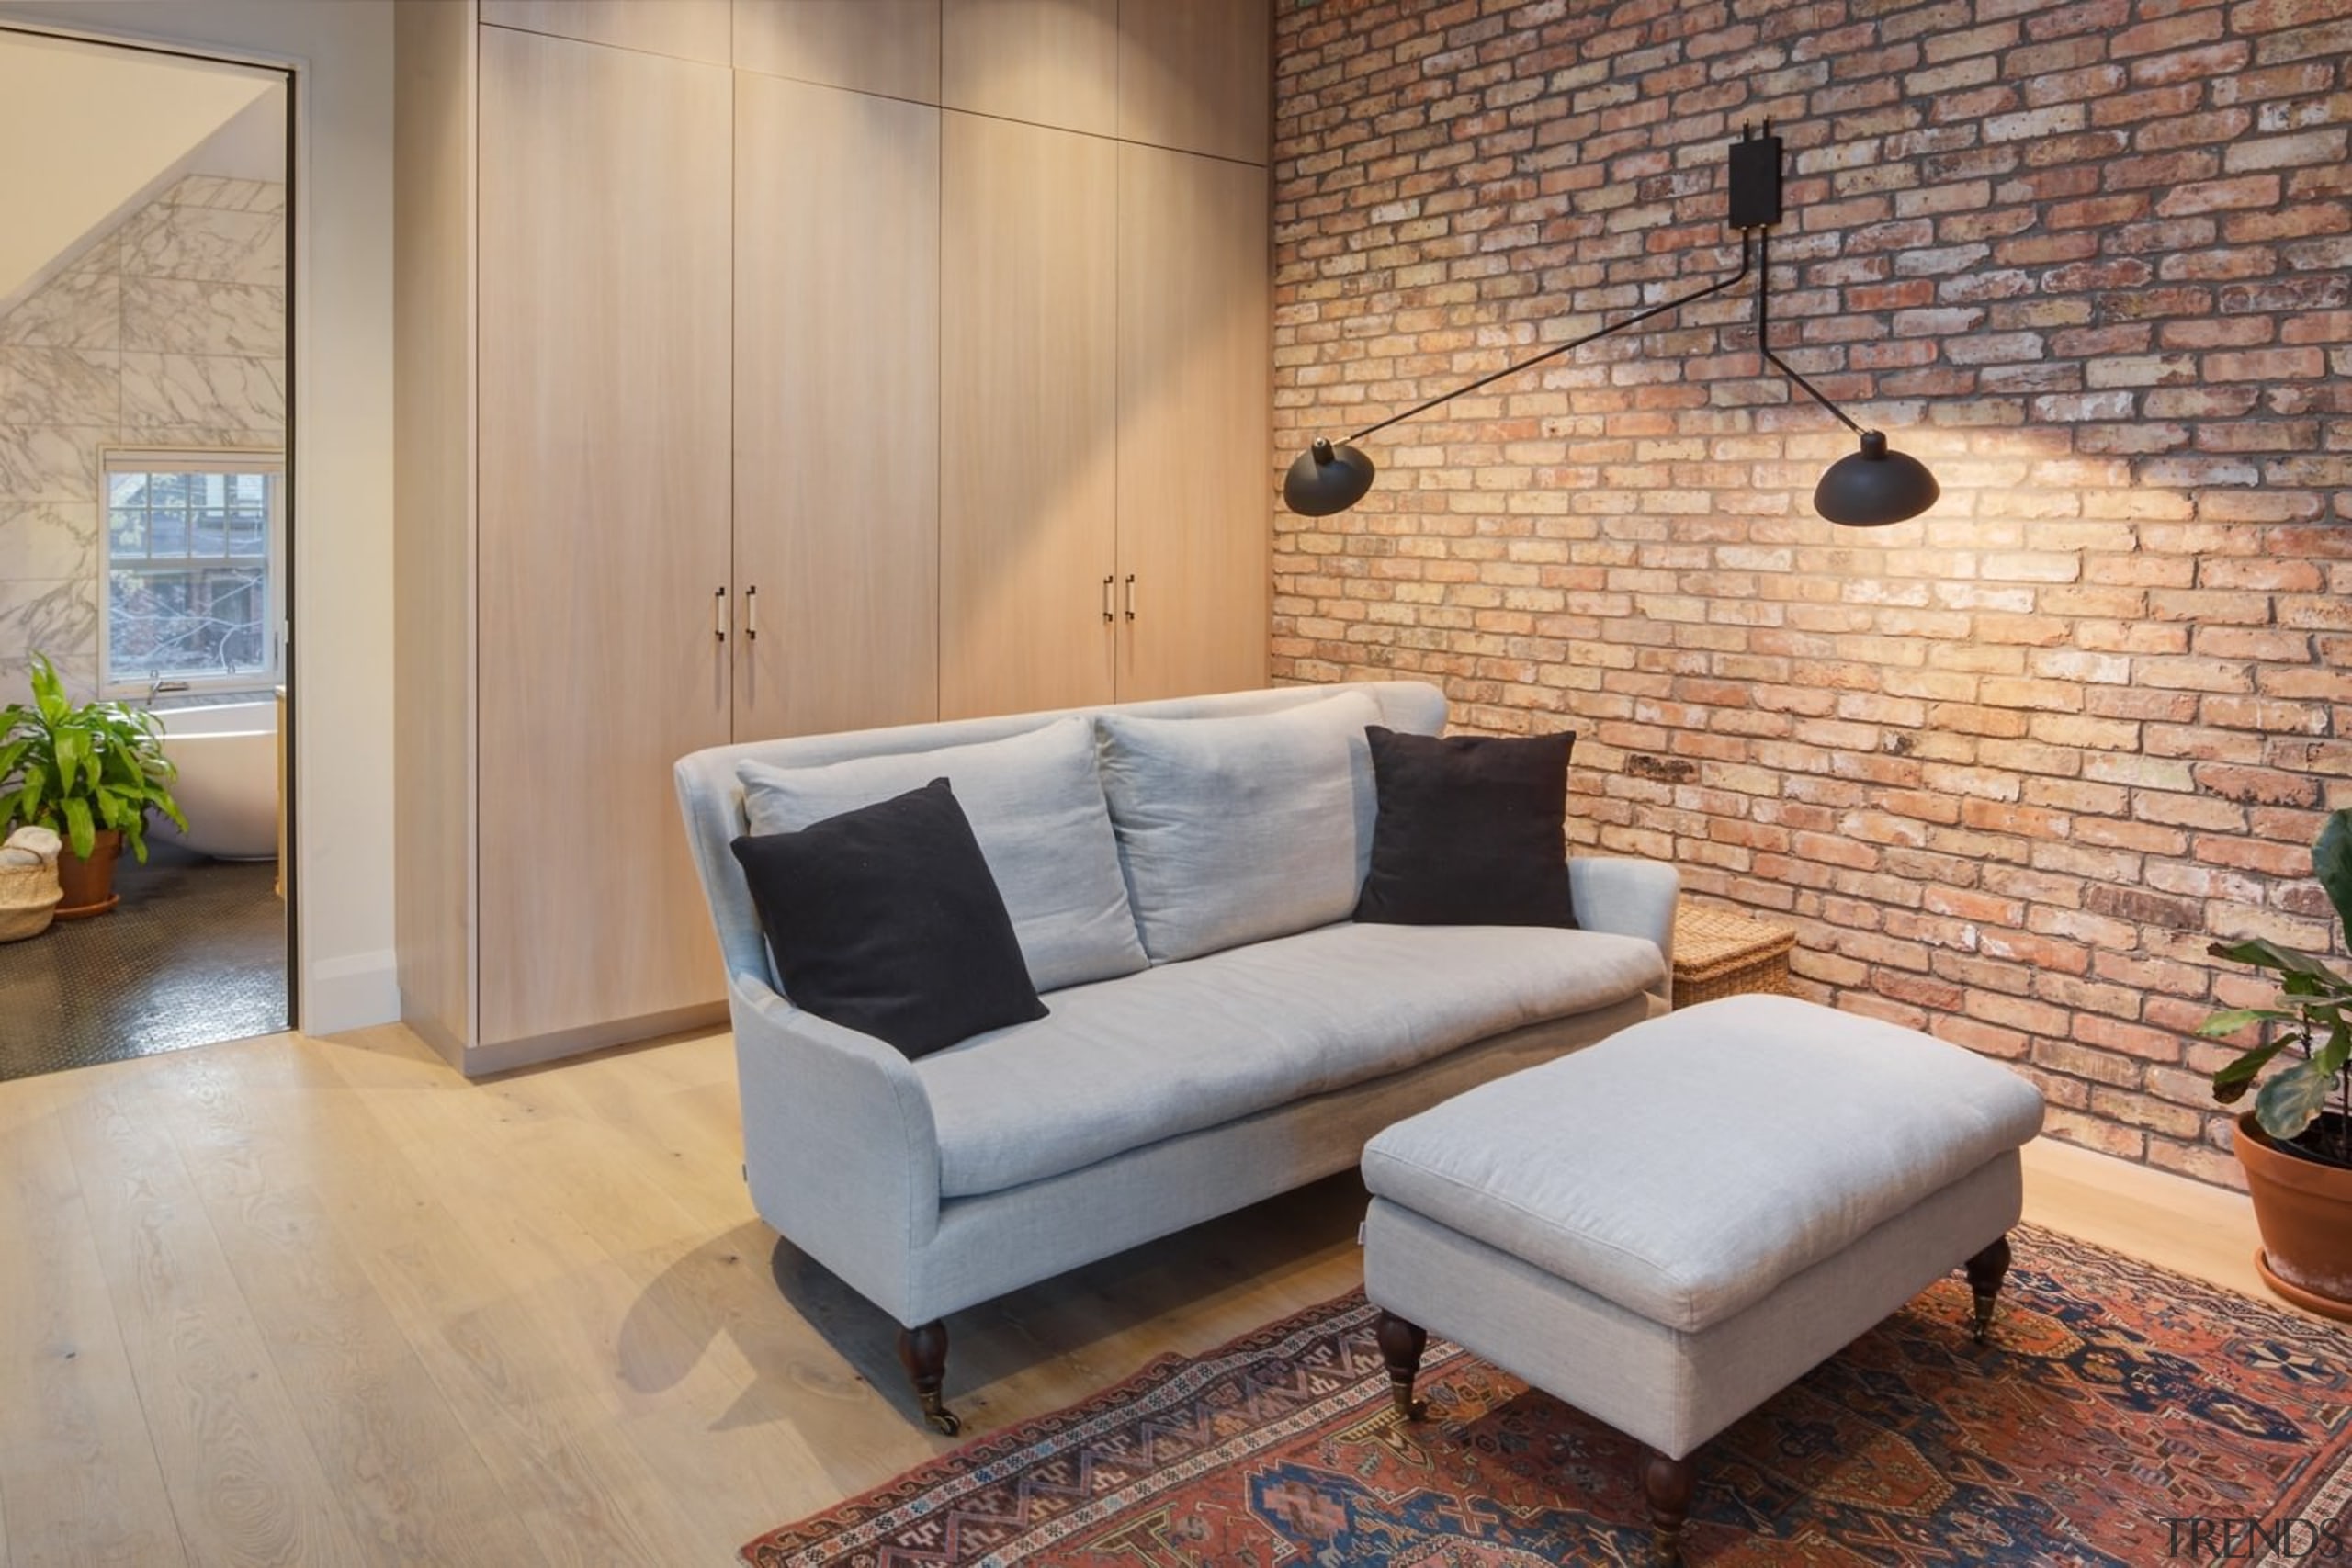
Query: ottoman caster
{"type": "Point", "coordinates": [1985, 1272]}
{"type": "Point", "coordinates": [1401, 1343]}
{"type": "Point", "coordinates": [1667, 1484]}
{"type": "Point", "coordinates": [923, 1352]}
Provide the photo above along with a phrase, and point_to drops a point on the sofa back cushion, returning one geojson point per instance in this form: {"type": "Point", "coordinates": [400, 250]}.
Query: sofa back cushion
{"type": "Point", "coordinates": [1234, 831]}
{"type": "Point", "coordinates": [1035, 805]}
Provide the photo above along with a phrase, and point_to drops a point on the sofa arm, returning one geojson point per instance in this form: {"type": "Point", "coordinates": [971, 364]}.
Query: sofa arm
{"type": "Point", "coordinates": [1631, 897]}
{"type": "Point", "coordinates": [839, 1144]}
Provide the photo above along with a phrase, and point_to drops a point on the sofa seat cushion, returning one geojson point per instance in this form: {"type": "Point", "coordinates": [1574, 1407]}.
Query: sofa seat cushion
{"type": "Point", "coordinates": [1184, 1046]}
{"type": "Point", "coordinates": [1685, 1167]}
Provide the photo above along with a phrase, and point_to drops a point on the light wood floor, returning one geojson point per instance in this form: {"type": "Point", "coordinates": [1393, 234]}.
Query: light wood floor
{"type": "Point", "coordinates": [313, 1303]}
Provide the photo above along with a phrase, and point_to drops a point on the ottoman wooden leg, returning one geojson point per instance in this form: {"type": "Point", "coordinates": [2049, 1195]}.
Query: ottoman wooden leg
{"type": "Point", "coordinates": [1667, 1483]}
{"type": "Point", "coordinates": [1401, 1343]}
{"type": "Point", "coordinates": [1986, 1271]}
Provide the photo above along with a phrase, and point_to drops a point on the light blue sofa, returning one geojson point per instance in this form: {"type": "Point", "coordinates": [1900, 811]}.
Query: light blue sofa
{"type": "Point", "coordinates": [1249, 1038]}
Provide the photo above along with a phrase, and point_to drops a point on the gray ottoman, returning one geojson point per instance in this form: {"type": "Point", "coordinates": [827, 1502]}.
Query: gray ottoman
{"type": "Point", "coordinates": [1668, 1227]}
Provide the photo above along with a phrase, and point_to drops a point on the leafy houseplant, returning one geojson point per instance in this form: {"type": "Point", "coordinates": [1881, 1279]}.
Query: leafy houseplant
{"type": "Point", "coordinates": [92, 773]}
{"type": "Point", "coordinates": [2313, 1015]}
{"type": "Point", "coordinates": [2296, 1143]}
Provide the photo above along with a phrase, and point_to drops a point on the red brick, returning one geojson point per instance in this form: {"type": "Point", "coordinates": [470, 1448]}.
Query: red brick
{"type": "Point", "coordinates": [2092, 262]}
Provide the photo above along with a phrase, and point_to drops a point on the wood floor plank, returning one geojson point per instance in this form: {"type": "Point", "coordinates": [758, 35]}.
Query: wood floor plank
{"type": "Point", "coordinates": [80, 1486]}
{"type": "Point", "coordinates": [528, 1394]}
{"type": "Point", "coordinates": [539, 1311]}
{"type": "Point", "coordinates": [414, 1489]}
{"type": "Point", "coordinates": [652, 1193]}
{"type": "Point", "coordinates": [591, 1236]}
{"type": "Point", "coordinates": [806, 1370]}
{"type": "Point", "coordinates": [2188, 1226]}
{"type": "Point", "coordinates": [243, 1483]}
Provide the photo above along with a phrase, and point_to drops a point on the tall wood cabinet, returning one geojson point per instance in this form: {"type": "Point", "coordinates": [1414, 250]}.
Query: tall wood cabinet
{"type": "Point", "coordinates": [1029, 430]}
{"type": "Point", "coordinates": [783, 367]}
{"type": "Point", "coordinates": [606, 528]}
{"type": "Point", "coordinates": [837, 254]}
{"type": "Point", "coordinates": [1193, 362]}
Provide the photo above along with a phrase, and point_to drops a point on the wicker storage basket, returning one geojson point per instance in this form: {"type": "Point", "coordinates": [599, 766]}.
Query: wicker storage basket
{"type": "Point", "coordinates": [1719, 953]}
{"type": "Point", "coordinates": [28, 894]}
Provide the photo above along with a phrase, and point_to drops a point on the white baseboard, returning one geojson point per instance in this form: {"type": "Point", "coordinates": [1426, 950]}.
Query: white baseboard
{"type": "Point", "coordinates": [350, 992]}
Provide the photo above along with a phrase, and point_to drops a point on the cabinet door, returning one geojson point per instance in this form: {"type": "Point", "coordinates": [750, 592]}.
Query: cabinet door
{"type": "Point", "coordinates": [1048, 61]}
{"type": "Point", "coordinates": [691, 29]}
{"type": "Point", "coordinates": [1195, 75]}
{"type": "Point", "coordinates": [603, 480]}
{"type": "Point", "coordinates": [1195, 485]}
{"type": "Point", "coordinates": [1028, 530]}
{"type": "Point", "coordinates": [874, 46]}
{"type": "Point", "coordinates": [836, 409]}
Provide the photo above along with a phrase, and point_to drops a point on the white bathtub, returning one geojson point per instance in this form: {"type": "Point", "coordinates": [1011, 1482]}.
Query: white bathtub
{"type": "Point", "coordinates": [228, 784]}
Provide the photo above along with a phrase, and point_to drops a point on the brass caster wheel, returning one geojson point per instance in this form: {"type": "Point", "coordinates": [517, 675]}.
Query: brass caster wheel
{"type": "Point", "coordinates": [944, 1421]}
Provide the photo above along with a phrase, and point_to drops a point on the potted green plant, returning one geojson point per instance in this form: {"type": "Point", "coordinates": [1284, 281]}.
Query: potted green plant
{"type": "Point", "coordinates": [2296, 1143]}
{"type": "Point", "coordinates": [92, 773]}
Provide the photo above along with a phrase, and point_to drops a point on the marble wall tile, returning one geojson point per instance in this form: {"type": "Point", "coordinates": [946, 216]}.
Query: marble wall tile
{"type": "Point", "coordinates": [49, 539]}
{"type": "Point", "coordinates": [73, 310]}
{"type": "Point", "coordinates": [237, 196]}
{"type": "Point", "coordinates": [200, 388]}
{"type": "Point", "coordinates": [50, 463]}
{"type": "Point", "coordinates": [58, 616]}
{"type": "Point", "coordinates": [208, 437]}
{"type": "Point", "coordinates": [59, 386]}
{"type": "Point", "coordinates": [207, 242]}
{"type": "Point", "coordinates": [103, 255]}
{"type": "Point", "coordinates": [196, 280]}
{"type": "Point", "coordinates": [78, 670]}
{"type": "Point", "coordinates": [183, 315]}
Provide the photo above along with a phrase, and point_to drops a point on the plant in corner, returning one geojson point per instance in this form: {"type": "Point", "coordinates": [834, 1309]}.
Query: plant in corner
{"type": "Point", "coordinates": [2296, 1143]}
{"type": "Point", "coordinates": [91, 771]}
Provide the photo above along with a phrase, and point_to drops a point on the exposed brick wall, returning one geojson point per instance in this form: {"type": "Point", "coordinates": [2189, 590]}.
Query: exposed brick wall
{"type": "Point", "coordinates": [2009, 767]}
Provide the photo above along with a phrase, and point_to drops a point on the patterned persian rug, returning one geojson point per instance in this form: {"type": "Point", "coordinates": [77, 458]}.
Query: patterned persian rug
{"type": "Point", "coordinates": [2122, 1417]}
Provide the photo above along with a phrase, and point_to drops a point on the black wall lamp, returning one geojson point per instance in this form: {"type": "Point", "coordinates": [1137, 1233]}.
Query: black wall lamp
{"type": "Point", "coordinates": [1862, 490]}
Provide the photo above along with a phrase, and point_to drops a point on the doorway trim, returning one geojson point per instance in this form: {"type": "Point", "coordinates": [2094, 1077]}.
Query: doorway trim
{"type": "Point", "coordinates": [296, 70]}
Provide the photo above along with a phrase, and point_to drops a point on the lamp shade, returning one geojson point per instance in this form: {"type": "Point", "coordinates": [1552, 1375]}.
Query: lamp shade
{"type": "Point", "coordinates": [1327, 480]}
{"type": "Point", "coordinates": [1874, 486]}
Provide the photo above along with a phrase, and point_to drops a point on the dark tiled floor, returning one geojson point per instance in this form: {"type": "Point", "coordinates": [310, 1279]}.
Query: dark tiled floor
{"type": "Point", "coordinates": [193, 954]}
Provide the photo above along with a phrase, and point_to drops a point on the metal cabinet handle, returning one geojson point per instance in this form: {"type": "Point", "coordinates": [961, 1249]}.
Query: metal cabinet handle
{"type": "Point", "coordinates": [1131, 596]}
{"type": "Point", "coordinates": [752, 613]}
{"type": "Point", "coordinates": [719, 613]}
{"type": "Point", "coordinates": [1107, 615]}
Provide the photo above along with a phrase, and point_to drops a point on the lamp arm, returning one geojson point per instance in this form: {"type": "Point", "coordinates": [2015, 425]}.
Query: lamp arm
{"type": "Point", "coordinates": [1764, 324]}
{"type": "Point", "coordinates": [1639, 316]}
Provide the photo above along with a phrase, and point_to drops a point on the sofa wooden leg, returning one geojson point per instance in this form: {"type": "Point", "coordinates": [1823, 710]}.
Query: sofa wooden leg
{"type": "Point", "coordinates": [1985, 1272]}
{"type": "Point", "coordinates": [923, 1352]}
{"type": "Point", "coordinates": [1401, 1343]}
{"type": "Point", "coordinates": [1667, 1484]}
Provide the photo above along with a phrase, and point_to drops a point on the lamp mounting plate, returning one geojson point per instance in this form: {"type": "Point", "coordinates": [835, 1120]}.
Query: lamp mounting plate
{"type": "Point", "coordinates": [1755, 178]}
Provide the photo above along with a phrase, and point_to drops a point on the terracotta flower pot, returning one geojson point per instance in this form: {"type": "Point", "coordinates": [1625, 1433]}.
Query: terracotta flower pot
{"type": "Point", "coordinates": [2303, 1209]}
{"type": "Point", "coordinates": [89, 884]}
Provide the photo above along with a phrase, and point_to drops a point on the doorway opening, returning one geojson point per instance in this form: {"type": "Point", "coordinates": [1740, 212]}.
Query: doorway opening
{"type": "Point", "coordinates": [146, 444]}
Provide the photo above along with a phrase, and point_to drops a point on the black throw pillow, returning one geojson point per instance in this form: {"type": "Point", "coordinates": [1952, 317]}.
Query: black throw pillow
{"type": "Point", "coordinates": [1470, 830]}
{"type": "Point", "coordinates": [885, 920]}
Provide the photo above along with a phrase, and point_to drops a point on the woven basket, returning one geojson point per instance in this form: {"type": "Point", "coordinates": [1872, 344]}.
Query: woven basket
{"type": "Point", "coordinates": [1719, 953]}
{"type": "Point", "coordinates": [28, 894]}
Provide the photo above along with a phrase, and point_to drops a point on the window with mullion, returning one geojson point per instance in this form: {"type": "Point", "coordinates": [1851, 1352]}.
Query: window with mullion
{"type": "Point", "coordinates": [190, 585]}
